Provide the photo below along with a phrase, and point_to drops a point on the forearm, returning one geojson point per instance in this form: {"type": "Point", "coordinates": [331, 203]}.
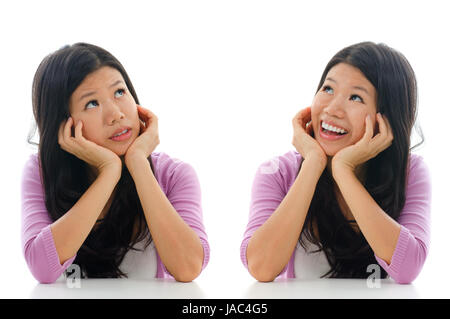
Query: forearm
{"type": "Point", "coordinates": [272, 244]}
{"type": "Point", "coordinates": [379, 229]}
{"type": "Point", "coordinates": [71, 230]}
{"type": "Point", "coordinates": [178, 246]}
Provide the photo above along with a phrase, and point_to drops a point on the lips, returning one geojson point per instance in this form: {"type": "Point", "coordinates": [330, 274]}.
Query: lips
{"type": "Point", "coordinates": [120, 130]}
{"type": "Point", "coordinates": [331, 132]}
{"type": "Point", "coordinates": [332, 126]}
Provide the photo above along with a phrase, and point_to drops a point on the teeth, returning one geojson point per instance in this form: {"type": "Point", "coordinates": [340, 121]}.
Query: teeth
{"type": "Point", "coordinates": [118, 134]}
{"type": "Point", "coordinates": [332, 128]}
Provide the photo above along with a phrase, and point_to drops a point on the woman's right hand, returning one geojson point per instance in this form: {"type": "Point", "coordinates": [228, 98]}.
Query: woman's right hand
{"type": "Point", "coordinates": [95, 155]}
{"type": "Point", "coordinates": [303, 141]}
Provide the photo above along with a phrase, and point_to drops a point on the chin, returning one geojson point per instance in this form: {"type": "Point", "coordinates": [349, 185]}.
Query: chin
{"type": "Point", "coordinates": [120, 151]}
{"type": "Point", "coordinates": [330, 151]}
{"type": "Point", "coordinates": [331, 154]}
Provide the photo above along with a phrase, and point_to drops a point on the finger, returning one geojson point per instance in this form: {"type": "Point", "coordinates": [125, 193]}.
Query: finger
{"type": "Point", "coordinates": [369, 129]}
{"type": "Point", "coordinates": [141, 127]}
{"type": "Point", "coordinates": [144, 111]}
{"type": "Point", "coordinates": [305, 116]}
{"type": "Point", "coordinates": [67, 139]}
{"type": "Point", "coordinates": [68, 130]}
{"type": "Point", "coordinates": [390, 134]}
{"type": "Point", "coordinates": [61, 133]}
{"type": "Point", "coordinates": [387, 136]}
{"type": "Point", "coordinates": [146, 115]}
{"type": "Point", "coordinates": [309, 129]}
{"type": "Point", "coordinates": [306, 120]}
{"type": "Point", "coordinates": [302, 113]}
{"type": "Point", "coordinates": [152, 120]}
{"type": "Point", "coordinates": [302, 117]}
{"type": "Point", "coordinates": [384, 139]}
{"type": "Point", "coordinates": [152, 116]}
{"type": "Point", "coordinates": [384, 136]}
{"type": "Point", "coordinates": [380, 137]}
{"type": "Point", "coordinates": [79, 131]}
{"type": "Point", "coordinates": [382, 125]}
{"type": "Point", "coordinates": [141, 112]}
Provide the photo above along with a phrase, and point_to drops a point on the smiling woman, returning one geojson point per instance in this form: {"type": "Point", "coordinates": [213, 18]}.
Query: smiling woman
{"type": "Point", "coordinates": [337, 112]}
{"type": "Point", "coordinates": [96, 194]}
{"type": "Point", "coordinates": [352, 195]}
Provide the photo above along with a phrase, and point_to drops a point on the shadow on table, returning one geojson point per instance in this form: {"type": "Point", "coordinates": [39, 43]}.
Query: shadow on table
{"type": "Point", "coordinates": [330, 289]}
{"type": "Point", "coordinates": [118, 288]}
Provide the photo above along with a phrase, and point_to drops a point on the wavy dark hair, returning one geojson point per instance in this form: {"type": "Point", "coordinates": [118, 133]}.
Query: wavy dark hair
{"type": "Point", "coordinates": [346, 250]}
{"type": "Point", "coordinates": [65, 177]}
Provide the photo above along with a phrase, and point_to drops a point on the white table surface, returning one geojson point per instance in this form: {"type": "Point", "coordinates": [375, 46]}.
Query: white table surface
{"type": "Point", "coordinates": [230, 289]}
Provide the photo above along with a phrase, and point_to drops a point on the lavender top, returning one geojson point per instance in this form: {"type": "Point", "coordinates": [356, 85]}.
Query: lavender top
{"type": "Point", "coordinates": [275, 177]}
{"type": "Point", "coordinates": [177, 179]}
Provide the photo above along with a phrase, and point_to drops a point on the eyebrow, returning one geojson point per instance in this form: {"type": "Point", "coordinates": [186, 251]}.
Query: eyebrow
{"type": "Point", "coordinates": [92, 93]}
{"type": "Point", "coordinates": [355, 87]}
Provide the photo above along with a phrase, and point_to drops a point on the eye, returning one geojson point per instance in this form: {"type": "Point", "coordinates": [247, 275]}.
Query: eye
{"type": "Point", "coordinates": [119, 92]}
{"type": "Point", "coordinates": [328, 89]}
{"type": "Point", "coordinates": [356, 98]}
{"type": "Point", "coordinates": [91, 104]}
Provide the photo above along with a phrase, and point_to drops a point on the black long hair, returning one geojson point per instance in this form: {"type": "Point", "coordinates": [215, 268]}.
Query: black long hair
{"type": "Point", "coordinates": [347, 251]}
{"type": "Point", "coordinates": [65, 177]}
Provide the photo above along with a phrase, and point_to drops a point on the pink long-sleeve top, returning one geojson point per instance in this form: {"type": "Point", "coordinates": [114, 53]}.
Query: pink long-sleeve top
{"type": "Point", "coordinates": [275, 177]}
{"type": "Point", "coordinates": [177, 179]}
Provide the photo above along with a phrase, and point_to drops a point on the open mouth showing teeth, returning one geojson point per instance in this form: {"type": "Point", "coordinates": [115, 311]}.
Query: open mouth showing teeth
{"type": "Point", "coordinates": [329, 129]}
{"type": "Point", "coordinates": [123, 132]}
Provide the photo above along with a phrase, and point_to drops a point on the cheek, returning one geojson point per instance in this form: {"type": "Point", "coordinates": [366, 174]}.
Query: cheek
{"type": "Point", "coordinates": [359, 126]}
{"type": "Point", "coordinates": [134, 116]}
{"type": "Point", "coordinates": [129, 108]}
{"type": "Point", "coordinates": [91, 134]}
{"type": "Point", "coordinates": [90, 129]}
{"type": "Point", "coordinates": [358, 133]}
{"type": "Point", "coordinates": [319, 102]}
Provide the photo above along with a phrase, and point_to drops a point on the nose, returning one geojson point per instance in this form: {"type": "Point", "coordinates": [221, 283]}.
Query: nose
{"type": "Point", "coordinates": [335, 107]}
{"type": "Point", "coordinates": [113, 113]}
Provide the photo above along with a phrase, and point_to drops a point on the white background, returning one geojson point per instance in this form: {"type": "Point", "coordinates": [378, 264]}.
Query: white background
{"type": "Point", "coordinates": [225, 79]}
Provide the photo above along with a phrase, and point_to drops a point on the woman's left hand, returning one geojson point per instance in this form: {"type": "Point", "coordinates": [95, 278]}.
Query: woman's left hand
{"type": "Point", "coordinates": [148, 137]}
{"type": "Point", "coordinates": [367, 147]}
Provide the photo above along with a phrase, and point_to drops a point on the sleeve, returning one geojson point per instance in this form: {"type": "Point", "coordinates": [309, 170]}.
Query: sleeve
{"type": "Point", "coordinates": [414, 239]}
{"type": "Point", "coordinates": [184, 194]}
{"type": "Point", "coordinates": [266, 195]}
{"type": "Point", "coordinates": [38, 246]}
